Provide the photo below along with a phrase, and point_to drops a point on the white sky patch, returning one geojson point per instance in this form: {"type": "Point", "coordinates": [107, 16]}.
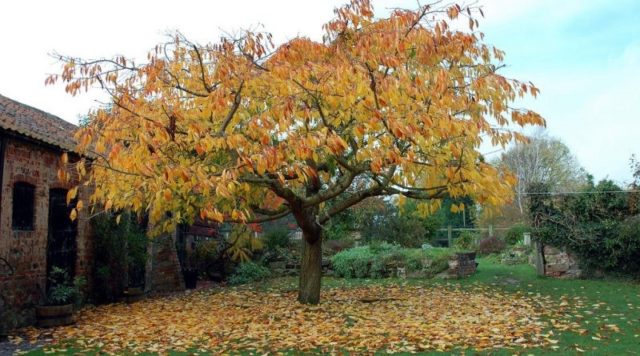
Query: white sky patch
{"type": "Point", "coordinates": [590, 104]}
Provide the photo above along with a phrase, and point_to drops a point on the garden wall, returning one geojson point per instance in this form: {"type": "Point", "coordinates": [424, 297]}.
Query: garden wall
{"type": "Point", "coordinates": [560, 263]}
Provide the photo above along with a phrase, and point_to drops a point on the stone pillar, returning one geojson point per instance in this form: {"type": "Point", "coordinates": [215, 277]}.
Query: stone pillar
{"type": "Point", "coordinates": [163, 272]}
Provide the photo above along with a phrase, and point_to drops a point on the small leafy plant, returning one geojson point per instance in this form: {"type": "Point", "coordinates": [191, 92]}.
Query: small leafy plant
{"type": "Point", "coordinates": [467, 241]}
{"type": "Point", "coordinates": [248, 272]}
{"type": "Point", "coordinates": [62, 290]}
{"type": "Point", "coordinates": [515, 233]}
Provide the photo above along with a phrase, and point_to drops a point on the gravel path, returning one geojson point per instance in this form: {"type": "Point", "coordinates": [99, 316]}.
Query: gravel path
{"type": "Point", "coordinates": [16, 344]}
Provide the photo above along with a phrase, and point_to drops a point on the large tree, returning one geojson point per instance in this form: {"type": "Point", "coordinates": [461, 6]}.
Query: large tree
{"type": "Point", "coordinates": [243, 131]}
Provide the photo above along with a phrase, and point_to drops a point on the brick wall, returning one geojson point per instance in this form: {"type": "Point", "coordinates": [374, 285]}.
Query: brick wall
{"type": "Point", "coordinates": [163, 272]}
{"type": "Point", "coordinates": [462, 264]}
{"type": "Point", "coordinates": [26, 251]}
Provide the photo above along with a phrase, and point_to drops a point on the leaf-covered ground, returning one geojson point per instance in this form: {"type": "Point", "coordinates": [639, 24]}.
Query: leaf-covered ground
{"type": "Point", "coordinates": [391, 318]}
{"type": "Point", "coordinates": [493, 311]}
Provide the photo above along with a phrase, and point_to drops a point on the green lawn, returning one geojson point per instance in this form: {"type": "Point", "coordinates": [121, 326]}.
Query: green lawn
{"type": "Point", "coordinates": [608, 310]}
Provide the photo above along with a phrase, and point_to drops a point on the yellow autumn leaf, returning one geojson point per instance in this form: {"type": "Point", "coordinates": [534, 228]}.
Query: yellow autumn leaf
{"type": "Point", "coordinates": [71, 194]}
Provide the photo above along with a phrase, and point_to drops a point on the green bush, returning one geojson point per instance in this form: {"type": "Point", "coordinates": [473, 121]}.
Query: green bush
{"type": "Point", "coordinates": [467, 240]}
{"type": "Point", "coordinates": [515, 233]}
{"type": "Point", "coordinates": [353, 262]}
{"type": "Point", "coordinates": [248, 272]}
{"type": "Point", "coordinates": [601, 226]}
{"type": "Point", "coordinates": [439, 261]}
{"type": "Point", "coordinates": [120, 251]}
{"type": "Point", "coordinates": [625, 250]}
{"type": "Point", "coordinates": [380, 260]}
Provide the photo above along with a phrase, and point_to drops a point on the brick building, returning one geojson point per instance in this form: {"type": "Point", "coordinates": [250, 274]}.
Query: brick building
{"type": "Point", "coordinates": [35, 230]}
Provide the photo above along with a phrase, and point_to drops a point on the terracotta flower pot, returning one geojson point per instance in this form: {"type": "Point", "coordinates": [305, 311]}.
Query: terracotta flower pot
{"type": "Point", "coordinates": [54, 315]}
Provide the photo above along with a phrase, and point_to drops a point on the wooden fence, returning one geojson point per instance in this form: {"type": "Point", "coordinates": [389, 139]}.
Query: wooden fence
{"type": "Point", "coordinates": [450, 230]}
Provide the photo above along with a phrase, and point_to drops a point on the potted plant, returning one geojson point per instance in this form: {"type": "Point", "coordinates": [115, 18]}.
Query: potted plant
{"type": "Point", "coordinates": [62, 293]}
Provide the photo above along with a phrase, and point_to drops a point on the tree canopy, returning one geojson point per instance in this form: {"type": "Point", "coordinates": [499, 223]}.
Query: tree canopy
{"type": "Point", "coordinates": [242, 130]}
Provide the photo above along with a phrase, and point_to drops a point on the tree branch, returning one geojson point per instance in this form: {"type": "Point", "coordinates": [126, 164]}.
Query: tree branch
{"type": "Point", "coordinates": [350, 201]}
{"type": "Point", "coordinates": [236, 104]}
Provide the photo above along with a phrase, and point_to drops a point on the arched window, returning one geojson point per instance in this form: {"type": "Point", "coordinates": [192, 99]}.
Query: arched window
{"type": "Point", "coordinates": [23, 206]}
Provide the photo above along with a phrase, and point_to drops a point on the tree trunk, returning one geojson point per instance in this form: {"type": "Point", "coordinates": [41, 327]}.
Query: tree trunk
{"type": "Point", "coordinates": [311, 268]}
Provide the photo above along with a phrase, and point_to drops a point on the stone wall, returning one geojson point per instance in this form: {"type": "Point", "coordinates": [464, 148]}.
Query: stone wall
{"type": "Point", "coordinates": [26, 251]}
{"type": "Point", "coordinates": [560, 263]}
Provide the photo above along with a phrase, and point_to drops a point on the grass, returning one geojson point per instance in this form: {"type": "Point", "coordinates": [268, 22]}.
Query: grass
{"type": "Point", "coordinates": [602, 304]}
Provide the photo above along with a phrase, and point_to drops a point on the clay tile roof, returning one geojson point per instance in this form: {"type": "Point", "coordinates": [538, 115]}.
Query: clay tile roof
{"type": "Point", "coordinates": [36, 124]}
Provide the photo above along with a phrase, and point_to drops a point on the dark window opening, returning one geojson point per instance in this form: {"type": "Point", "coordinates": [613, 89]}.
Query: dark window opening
{"type": "Point", "coordinates": [23, 206]}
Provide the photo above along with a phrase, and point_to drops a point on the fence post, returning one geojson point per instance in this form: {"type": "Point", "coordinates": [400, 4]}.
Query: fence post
{"type": "Point", "coordinates": [490, 230]}
{"type": "Point", "coordinates": [539, 254]}
{"type": "Point", "coordinates": [450, 236]}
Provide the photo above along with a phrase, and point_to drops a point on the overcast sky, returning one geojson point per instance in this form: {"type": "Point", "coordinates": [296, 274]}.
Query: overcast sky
{"type": "Point", "coordinates": [583, 54]}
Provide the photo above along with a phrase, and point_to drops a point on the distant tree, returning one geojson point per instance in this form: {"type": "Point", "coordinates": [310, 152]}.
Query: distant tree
{"type": "Point", "coordinates": [357, 218]}
{"type": "Point", "coordinates": [458, 212]}
{"type": "Point", "coordinates": [635, 170]}
{"type": "Point", "coordinates": [544, 160]}
{"type": "Point", "coordinates": [403, 225]}
{"type": "Point", "coordinates": [634, 197]}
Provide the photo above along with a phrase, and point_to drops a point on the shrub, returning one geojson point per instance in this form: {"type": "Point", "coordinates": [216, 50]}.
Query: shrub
{"type": "Point", "coordinates": [248, 272]}
{"type": "Point", "coordinates": [515, 233]}
{"type": "Point", "coordinates": [601, 228]}
{"type": "Point", "coordinates": [380, 260]}
{"type": "Point", "coordinates": [491, 245]}
{"type": "Point", "coordinates": [120, 251]}
{"type": "Point", "coordinates": [277, 237]}
{"type": "Point", "coordinates": [467, 240]}
{"type": "Point", "coordinates": [353, 262]}
{"type": "Point", "coordinates": [439, 261]}
{"type": "Point", "coordinates": [211, 261]}
{"type": "Point", "coordinates": [625, 250]}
